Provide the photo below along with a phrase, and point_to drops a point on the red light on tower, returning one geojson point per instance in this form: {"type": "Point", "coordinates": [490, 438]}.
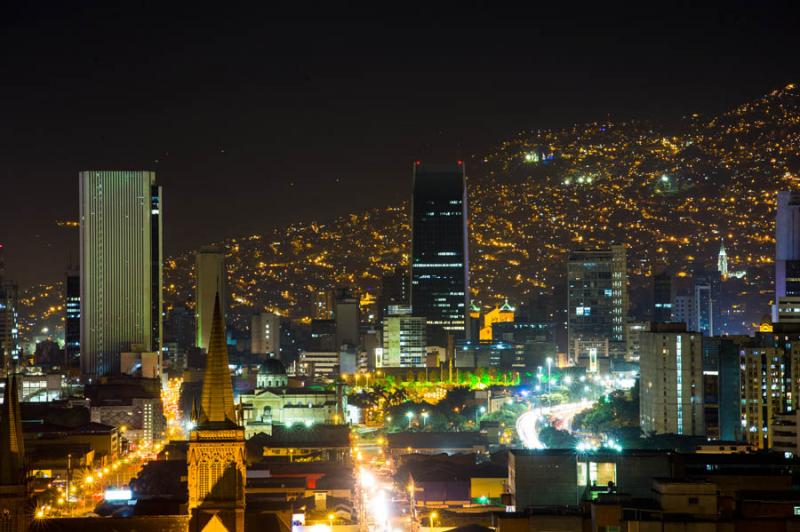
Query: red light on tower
{"type": "Point", "coordinates": [460, 163]}
{"type": "Point", "coordinates": [417, 163]}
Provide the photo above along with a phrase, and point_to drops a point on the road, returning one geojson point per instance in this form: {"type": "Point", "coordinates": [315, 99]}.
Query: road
{"type": "Point", "coordinates": [560, 417]}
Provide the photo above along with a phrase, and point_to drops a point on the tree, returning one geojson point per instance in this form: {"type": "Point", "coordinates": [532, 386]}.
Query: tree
{"type": "Point", "coordinates": [554, 438]}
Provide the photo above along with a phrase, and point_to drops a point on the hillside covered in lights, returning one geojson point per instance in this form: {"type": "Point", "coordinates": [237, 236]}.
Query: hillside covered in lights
{"type": "Point", "coordinates": [670, 196]}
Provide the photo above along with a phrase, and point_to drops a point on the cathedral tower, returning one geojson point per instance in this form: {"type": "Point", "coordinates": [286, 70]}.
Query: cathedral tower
{"type": "Point", "coordinates": [14, 515]}
{"type": "Point", "coordinates": [216, 458]}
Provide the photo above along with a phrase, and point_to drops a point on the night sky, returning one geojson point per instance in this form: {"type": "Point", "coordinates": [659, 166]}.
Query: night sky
{"type": "Point", "coordinates": [256, 116]}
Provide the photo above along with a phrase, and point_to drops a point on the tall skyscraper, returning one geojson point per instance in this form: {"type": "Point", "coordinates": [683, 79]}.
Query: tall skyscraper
{"type": "Point", "coordinates": [671, 384]}
{"type": "Point", "coordinates": [211, 280]}
{"type": "Point", "coordinates": [662, 297]}
{"type": "Point", "coordinates": [597, 304]}
{"type": "Point", "coordinates": [72, 321]}
{"type": "Point", "coordinates": [439, 254]}
{"type": "Point", "coordinates": [787, 258]}
{"type": "Point", "coordinates": [265, 334]}
{"type": "Point", "coordinates": [120, 216]}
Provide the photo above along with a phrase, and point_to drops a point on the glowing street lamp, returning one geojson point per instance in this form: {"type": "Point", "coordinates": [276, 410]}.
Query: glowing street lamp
{"type": "Point", "coordinates": [424, 418]}
{"type": "Point", "coordinates": [433, 516]}
{"type": "Point", "coordinates": [410, 416]}
{"type": "Point", "coordinates": [481, 411]}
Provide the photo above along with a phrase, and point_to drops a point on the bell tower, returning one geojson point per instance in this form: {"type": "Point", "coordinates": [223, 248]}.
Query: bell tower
{"type": "Point", "coordinates": [216, 457]}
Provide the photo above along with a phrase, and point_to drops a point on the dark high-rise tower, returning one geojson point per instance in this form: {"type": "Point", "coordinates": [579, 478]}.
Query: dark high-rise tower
{"type": "Point", "coordinates": [787, 258]}
{"type": "Point", "coordinates": [72, 322]}
{"type": "Point", "coordinates": [9, 331]}
{"type": "Point", "coordinates": [662, 297]}
{"type": "Point", "coordinates": [439, 255]}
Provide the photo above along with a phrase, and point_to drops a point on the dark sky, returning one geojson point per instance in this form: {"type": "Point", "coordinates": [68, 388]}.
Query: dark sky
{"type": "Point", "coordinates": [254, 115]}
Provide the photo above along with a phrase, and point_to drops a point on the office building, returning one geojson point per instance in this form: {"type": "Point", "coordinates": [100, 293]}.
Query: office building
{"type": "Point", "coordinates": [210, 281]}
{"type": "Point", "coordinates": [72, 321]}
{"type": "Point", "coordinates": [347, 315]}
{"type": "Point", "coordinates": [671, 384]}
{"type": "Point", "coordinates": [323, 304]}
{"type": "Point", "coordinates": [706, 309]}
{"type": "Point", "coordinates": [180, 327]}
{"type": "Point", "coordinates": [404, 343]}
{"type": "Point", "coordinates": [662, 297]}
{"type": "Point", "coordinates": [319, 364]}
{"type": "Point", "coordinates": [597, 304]}
{"type": "Point", "coordinates": [395, 290]}
{"type": "Point", "coordinates": [265, 334]}
{"type": "Point", "coordinates": [787, 258]}
{"type": "Point", "coordinates": [722, 388]}
{"type": "Point", "coordinates": [633, 337]}
{"type": "Point", "coordinates": [767, 389]}
{"type": "Point", "coordinates": [439, 254]}
{"type": "Point", "coordinates": [9, 321]}
{"type": "Point", "coordinates": [120, 243]}
{"type": "Point", "coordinates": [683, 310]}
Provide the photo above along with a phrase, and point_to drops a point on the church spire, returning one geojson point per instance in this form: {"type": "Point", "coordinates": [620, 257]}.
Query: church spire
{"type": "Point", "coordinates": [216, 402]}
{"type": "Point", "coordinates": [12, 449]}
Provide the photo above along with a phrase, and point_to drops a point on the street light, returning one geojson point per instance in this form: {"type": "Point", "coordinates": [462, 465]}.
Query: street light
{"type": "Point", "coordinates": [549, 361]}
{"type": "Point", "coordinates": [331, 517]}
{"type": "Point", "coordinates": [433, 516]}
{"type": "Point", "coordinates": [424, 418]}
{"type": "Point", "coordinates": [410, 416]}
{"type": "Point", "coordinates": [480, 411]}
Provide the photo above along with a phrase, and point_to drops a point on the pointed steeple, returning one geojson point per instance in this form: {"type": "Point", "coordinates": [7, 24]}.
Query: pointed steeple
{"type": "Point", "coordinates": [12, 448]}
{"type": "Point", "coordinates": [216, 401]}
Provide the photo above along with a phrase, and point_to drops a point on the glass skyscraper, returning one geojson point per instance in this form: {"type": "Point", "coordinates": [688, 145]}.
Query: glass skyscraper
{"type": "Point", "coordinates": [439, 255]}
{"type": "Point", "coordinates": [120, 240]}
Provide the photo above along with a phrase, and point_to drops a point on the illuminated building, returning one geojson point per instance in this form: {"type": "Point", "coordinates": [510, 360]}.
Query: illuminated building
{"type": "Point", "coordinates": [498, 314]}
{"type": "Point", "coordinates": [273, 402]}
{"type": "Point", "coordinates": [404, 341]}
{"type": "Point", "coordinates": [662, 297]}
{"type": "Point", "coordinates": [265, 334]}
{"type": "Point", "coordinates": [683, 310]}
{"type": "Point", "coordinates": [787, 258]}
{"type": "Point", "coordinates": [439, 254]}
{"type": "Point", "coordinates": [216, 457]}
{"type": "Point", "coordinates": [633, 339]}
{"type": "Point", "coordinates": [72, 321]}
{"type": "Point", "coordinates": [14, 513]}
{"type": "Point", "coordinates": [671, 383]}
{"type": "Point", "coordinates": [722, 261]}
{"type": "Point", "coordinates": [765, 391]}
{"type": "Point", "coordinates": [210, 280]}
{"type": "Point", "coordinates": [133, 403]}
{"type": "Point", "coordinates": [597, 304]}
{"type": "Point", "coordinates": [323, 305]}
{"type": "Point", "coordinates": [120, 307]}
{"type": "Point", "coordinates": [319, 364]}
